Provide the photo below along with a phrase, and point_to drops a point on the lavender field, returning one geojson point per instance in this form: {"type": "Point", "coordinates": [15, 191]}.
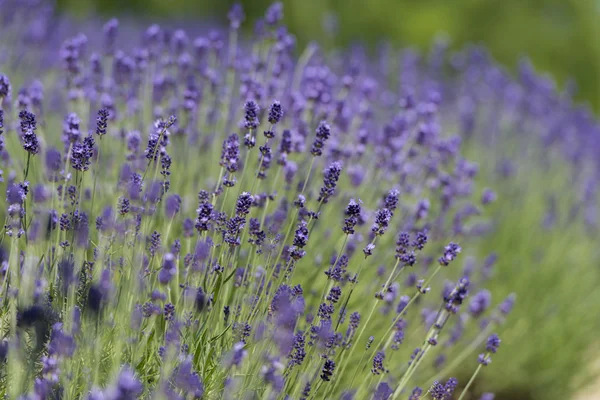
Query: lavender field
{"type": "Point", "coordinates": [212, 212]}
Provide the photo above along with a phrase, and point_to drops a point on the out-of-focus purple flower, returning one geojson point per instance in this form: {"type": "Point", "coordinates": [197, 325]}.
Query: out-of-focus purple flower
{"type": "Point", "coordinates": [275, 112]}
{"type": "Point", "coordinates": [480, 302]}
{"type": "Point", "coordinates": [110, 30]}
{"type": "Point", "coordinates": [186, 380]}
{"type": "Point", "coordinates": [251, 114]}
{"type": "Point", "coordinates": [168, 269]}
{"type": "Point", "coordinates": [236, 16]}
{"type": "Point", "coordinates": [71, 132]}
{"type": "Point", "coordinates": [5, 87]}
{"type": "Point", "coordinates": [415, 394]}
{"type": "Point", "coordinates": [127, 386]}
{"type": "Point", "coordinates": [382, 392]}
{"type": "Point", "coordinates": [274, 13]}
{"type": "Point", "coordinates": [488, 196]}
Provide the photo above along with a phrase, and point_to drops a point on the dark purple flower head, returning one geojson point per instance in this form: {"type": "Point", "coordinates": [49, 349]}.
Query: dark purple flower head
{"type": "Point", "coordinates": [391, 200]}
{"type": "Point", "coordinates": [352, 213]}
{"type": "Point", "coordinates": [382, 220]}
{"type": "Point", "coordinates": [420, 240]}
{"type": "Point", "coordinates": [169, 312]}
{"type": "Point", "coordinates": [402, 244]}
{"type": "Point", "coordinates": [331, 175]}
{"type": "Point", "coordinates": [251, 114]}
{"type": "Point", "coordinates": [205, 215]}
{"type": "Point", "coordinates": [123, 205]}
{"type": "Point", "coordinates": [323, 133]}
{"type": "Point", "coordinates": [334, 294]}
{"type": "Point", "coordinates": [378, 363]}
{"type": "Point", "coordinates": [243, 204]}
{"type": "Point", "coordinates": [230, 153]}
{"type": "Point", "coordinates": [101, 122]}
{"type": "Point", "coordinates": [507, 305]}
{"type": "Point", "coordinates": [456, 297]}
{"type": "Point", "coordinates": [275, 112]}
{"type": "Point", "coordinates": [327, 371]}
{"type": "Point", "coordinates": [81, 154]}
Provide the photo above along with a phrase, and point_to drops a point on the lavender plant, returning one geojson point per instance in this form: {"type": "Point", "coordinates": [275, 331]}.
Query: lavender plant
{"type": "Point", "coordinates": [175, 251]}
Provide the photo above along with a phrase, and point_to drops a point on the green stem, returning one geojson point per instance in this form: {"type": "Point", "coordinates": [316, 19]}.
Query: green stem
{"type": "Point", "coordinates": [466, 389]}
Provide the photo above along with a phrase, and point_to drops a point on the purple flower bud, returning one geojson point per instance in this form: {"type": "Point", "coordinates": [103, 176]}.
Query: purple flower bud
{"type": "Point", "coordinates": [28, 127]}
{"type": "Point", "coordinates": [275, 112]}
{"type": "Point", "coordinates": [352, 213]}
{"type": "Point", "coordinates": [323, 133]}
{"type": "Point", "coordinates": [507, 305]}
{"type": "Point", "coordinates": [251, 117]}
{"type": "Point", "coordinates": [331, 175]}
{"type": "Point", "coordinates": [101, 122]}
{"type": "Point", "coordinates": [327, 371]}
{"type": "Point", "coordinates": [168, 269]}
{"type": "Point", "coordinates": [480, 302]}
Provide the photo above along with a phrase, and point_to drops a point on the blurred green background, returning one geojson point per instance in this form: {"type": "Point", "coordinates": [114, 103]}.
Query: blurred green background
{"type": "Point", "coordinates": [562, 37]}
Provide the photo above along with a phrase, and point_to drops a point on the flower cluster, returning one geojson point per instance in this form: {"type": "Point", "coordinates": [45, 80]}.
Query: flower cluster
{"type": "Point", "coordinates": [203, 274]}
